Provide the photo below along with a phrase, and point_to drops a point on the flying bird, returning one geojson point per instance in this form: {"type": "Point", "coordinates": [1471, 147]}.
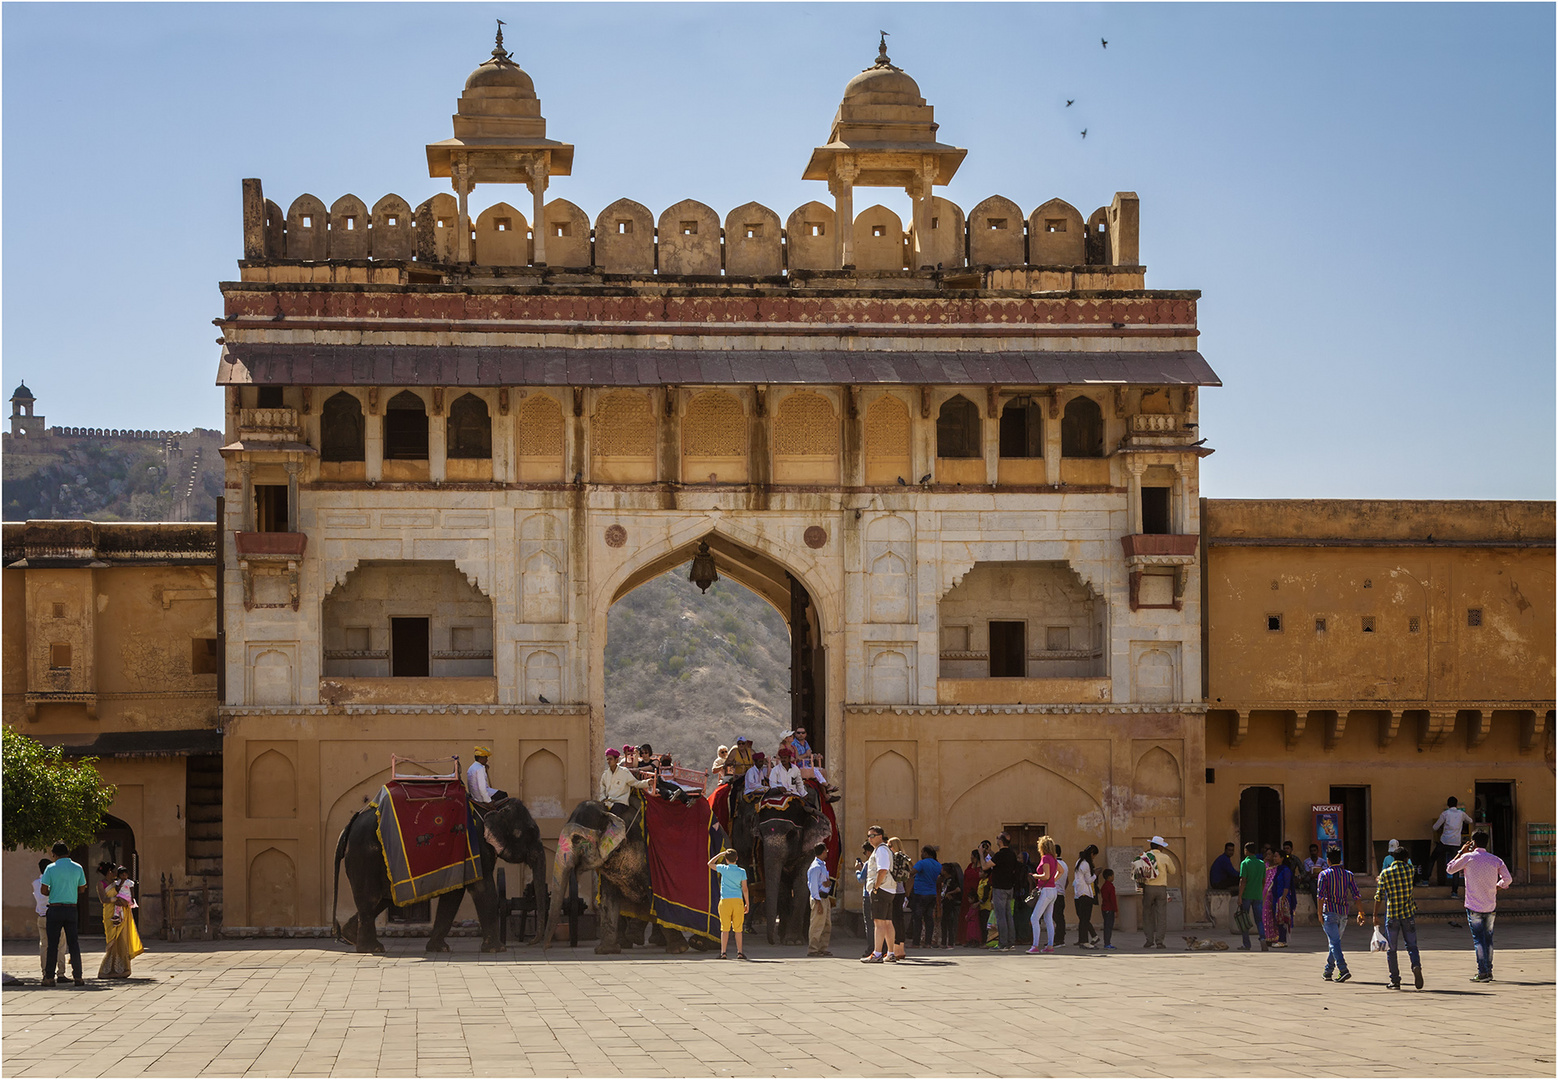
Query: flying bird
{"type": "Point", "coordinates": [1084, 133]}
{"type": "Point", "coordinates": [902, 482]}
{"type": "Point", "coordinates": [1070, 102]}
{"type": "Point", "coordinates": [1105, 41]}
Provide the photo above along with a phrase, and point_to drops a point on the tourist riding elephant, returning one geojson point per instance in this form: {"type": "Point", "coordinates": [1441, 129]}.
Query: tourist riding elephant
{"type": "Point", "coordinates": [508, 832]}
{"type": "Point", "coordinates": [783, 840]}
{"type": "Point", "coordinates": [594, 839]}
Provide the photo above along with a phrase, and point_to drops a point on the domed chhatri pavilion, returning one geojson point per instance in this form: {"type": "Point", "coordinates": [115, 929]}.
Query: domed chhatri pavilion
{"type": "Point", "coordinates": [960, 455]}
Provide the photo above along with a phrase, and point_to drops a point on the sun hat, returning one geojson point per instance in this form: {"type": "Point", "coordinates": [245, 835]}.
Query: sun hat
{"type": "Point", "coordinates": [1159, 841]}
{"type": "Point", "coordinates": [1395, 846]}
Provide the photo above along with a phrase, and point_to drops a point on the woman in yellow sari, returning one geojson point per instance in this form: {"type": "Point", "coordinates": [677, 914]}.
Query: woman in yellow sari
{"type": "Point", "coordinates": [123, 942]}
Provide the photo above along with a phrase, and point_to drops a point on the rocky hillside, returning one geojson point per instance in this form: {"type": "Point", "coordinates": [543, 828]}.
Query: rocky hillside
{"type": "Point", "coordinates": [109, 479]}
{"type": "Point", "coordinates": [687, 671]}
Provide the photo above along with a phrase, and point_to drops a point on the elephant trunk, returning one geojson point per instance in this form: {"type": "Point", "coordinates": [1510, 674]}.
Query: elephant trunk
{"type": "Point", "coordinates": [775, 854]}
{"type": "Point", "coordinates": [564, 867]}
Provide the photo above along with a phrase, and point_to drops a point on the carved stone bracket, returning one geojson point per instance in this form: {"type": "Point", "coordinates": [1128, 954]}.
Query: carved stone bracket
{"type": "Point", "coordinates": [1389, 727]}
{"type": "Point", "coordinates": [1239, 729]}
{"type": "Point", "coordinates": [1436, 727]}
{"type": "Point", "coordinates": [924, 403]}
{"type": "Point", "coordinates": [438, 401]}
{"type": "Point", "coordinates": [373, 401]}
{"type": "Point", "coordinates": [1296, 723]}
{"type": "Point", "coordinates": [1053, 394]}
{"type": "Point", "coordinates": [1335, 727]}
{"type": "Point", "coordinates": [248, 572]}
{"type": "Point", "coordinates": [854, 402]}
{"type": "Point", "coordinates": [1478, 727]}
{"type": "Point", "coordinates": [578, 401]}
{"type": "Point", "coordinates": [503, 401]}
{"type": "Point", "coordinates": [1533, 726]}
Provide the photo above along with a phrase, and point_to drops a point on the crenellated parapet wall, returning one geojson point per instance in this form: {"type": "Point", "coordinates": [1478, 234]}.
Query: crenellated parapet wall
{"type": "Point", "coordinates": [690, 239]}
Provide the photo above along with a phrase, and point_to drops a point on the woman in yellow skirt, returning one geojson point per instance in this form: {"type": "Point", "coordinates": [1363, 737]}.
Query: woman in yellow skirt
{"type": "Point", "coordinates": [122, 939]}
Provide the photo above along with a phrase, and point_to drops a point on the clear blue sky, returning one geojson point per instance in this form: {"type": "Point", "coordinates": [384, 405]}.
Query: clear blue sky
{"type": "Point", "coordinates": [1364, 193]}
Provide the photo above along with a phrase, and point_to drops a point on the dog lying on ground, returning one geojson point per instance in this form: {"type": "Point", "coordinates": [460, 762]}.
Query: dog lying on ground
{"type": "Point", "coordinates": [1195, 944]}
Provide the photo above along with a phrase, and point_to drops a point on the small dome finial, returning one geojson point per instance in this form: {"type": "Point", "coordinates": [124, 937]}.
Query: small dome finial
{"type": "Point", "coordinates": [498, 51]}
{"type": "Point", "coordinates": [882, 59]}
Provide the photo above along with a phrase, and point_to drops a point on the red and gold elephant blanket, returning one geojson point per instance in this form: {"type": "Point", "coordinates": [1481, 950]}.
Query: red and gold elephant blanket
{"type": "Point", "coordinates": [683, 837]}
{"type": "Point", "coordinates": [429, 838]}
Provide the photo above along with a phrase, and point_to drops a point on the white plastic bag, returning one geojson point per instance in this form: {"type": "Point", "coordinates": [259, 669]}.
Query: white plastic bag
{"type": "Point", "coordinates": [1377, 943]}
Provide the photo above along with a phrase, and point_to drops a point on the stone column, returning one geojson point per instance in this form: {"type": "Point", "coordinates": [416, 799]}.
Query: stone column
{"type": "Point", "coordinates": [538, 181]}
{"type": "Point", "coordinates": [292, 497]}
{"type": "Point", "coordinates": [1134, 469]}
{"type": "Point", "coordinates": [843, 187]}
{"type": "Point", "coordinates": [246, 511]}
{"type": "Point", "coordinates": [920, 190]}
{"type": "Point", "coordinates": [460, 176]}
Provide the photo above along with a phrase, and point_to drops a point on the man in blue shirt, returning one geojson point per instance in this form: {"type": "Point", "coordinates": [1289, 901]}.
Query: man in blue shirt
{"type": "Point", "coordinates": [922, 898]}
{"type": "Point", "coordinates": [65, 885]}
{"type": "Point", "coordinates": [819, 886]}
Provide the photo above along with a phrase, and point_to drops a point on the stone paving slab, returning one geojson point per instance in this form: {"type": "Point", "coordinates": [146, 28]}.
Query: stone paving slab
{"type": "Point", "coordinates": [288, 1008]}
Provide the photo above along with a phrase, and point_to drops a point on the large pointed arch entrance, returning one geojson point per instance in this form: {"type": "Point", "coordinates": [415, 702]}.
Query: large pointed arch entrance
{"type": "Point", "coordinates": [772, 581]}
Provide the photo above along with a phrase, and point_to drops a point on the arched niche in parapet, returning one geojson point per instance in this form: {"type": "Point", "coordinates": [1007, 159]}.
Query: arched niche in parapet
{"type": "Point", "coordinates": [1098, 238]}
{"type": "Point", "coordinates": [809, 242]}
{"type": "Point", "coordinates": [435, 224]}
{"type": "Point", "coordinates": [752, 247]}
{"type": "Point", "coordinates": [567, 235]}
{"type": "Point", "coordinates": [1057, 235]}
{"type": "Point", "coordinates": [689, 239]}
{"type": "Point", "coordinates": [349, 228]}
{"type": "Point", "coordinates": [502, 237]}
{"type": "Point", "coordinates": [390, 237]}
{"type": "Point", "coordinates": [625, 238]}
{"type": "Point", "coordinates": [945, 248]}
{"type": "Point", "coordinates": [306, 229]}
{"type": "Point", "coordinates": [995, 233]}
{"type": "Point", "coordinates": [879, 241]}
{"type": "Point", "coordinates": [275, 231]}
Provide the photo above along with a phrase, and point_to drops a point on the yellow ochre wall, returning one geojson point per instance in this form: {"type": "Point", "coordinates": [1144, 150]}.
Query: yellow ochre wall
{"type": "Point", "coordinates": [1416, 716]}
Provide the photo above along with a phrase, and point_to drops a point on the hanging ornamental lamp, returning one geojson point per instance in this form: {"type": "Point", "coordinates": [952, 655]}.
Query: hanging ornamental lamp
{"type": "Point", "coordinates": [703, 572]}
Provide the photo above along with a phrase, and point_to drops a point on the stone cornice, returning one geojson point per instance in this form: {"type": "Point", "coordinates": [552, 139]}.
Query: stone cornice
{"type": "Point", "coordinates": [1192, 708]}
{"type": "Point", "coordinates": [232, 712]}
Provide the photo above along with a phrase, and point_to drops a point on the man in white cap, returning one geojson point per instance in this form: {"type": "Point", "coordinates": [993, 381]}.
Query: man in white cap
{"type": "Point", "coordinates": [476, 782]}
{"type": "Point", "coordinates": [1154, 892]}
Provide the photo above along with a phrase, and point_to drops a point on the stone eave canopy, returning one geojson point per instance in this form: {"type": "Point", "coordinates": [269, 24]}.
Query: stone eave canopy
{"type": "Point", "coordinates": [496, 161]}
{"type": "Point", "coordinates": [886, 164]}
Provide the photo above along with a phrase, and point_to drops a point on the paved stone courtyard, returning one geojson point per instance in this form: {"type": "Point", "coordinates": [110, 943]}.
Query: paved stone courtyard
{"type": "Point", "coordinates": [314, 1009]}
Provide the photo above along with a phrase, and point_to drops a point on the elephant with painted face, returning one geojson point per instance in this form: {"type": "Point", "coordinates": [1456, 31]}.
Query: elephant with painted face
{"type": "Point", "coordinates": [783, 840]}
{"type": "Point", "coordinates": [508, 833]}
{"type": "Point", "coordinates": [595, 839]}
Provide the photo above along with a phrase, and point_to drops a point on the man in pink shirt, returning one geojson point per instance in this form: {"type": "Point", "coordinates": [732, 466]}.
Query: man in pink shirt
{"type": "Point", "coordinates": [1484, 874]}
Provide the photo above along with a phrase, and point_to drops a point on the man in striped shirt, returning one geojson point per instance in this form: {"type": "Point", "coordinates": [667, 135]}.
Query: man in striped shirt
{"type": "Point", "coordinates": [1394, 886]}
{"type": "Point", "coordinates": [1335, 892]}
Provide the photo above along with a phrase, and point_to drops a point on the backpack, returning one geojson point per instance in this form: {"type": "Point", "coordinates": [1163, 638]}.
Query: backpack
{"type": "Point", "coordinates": [903, 869]}
{"type": "Point", "coordinates": [1144, 869]}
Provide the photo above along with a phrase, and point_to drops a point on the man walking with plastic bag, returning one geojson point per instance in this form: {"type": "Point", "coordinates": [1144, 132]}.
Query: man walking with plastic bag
{"type": "Point", "coordinates": [1394, 885]}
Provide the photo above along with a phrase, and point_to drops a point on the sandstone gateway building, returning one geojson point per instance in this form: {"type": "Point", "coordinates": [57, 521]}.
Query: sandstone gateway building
{"type": "Point", "coordinates": [959, 454]}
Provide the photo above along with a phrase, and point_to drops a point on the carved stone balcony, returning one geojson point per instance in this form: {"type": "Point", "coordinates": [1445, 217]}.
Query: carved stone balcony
{"type": "Point", "coordinates": [270, 545]}
{"type": "Point", "coordinates": [269, 562]}
{"type": "Point", "coordinates": [268, 426]}
{"type": "Point", "coordinates": [1158, 429]}
{"type": "Point", "coordinates": [1159, 549]}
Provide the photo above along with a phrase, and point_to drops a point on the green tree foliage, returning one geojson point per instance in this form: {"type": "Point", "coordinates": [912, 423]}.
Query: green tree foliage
{"type": "Point", "coordinates": [46, 799]}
